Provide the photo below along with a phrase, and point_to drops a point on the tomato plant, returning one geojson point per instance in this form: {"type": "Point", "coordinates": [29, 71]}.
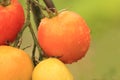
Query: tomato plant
{"type": "Point", "coordinates": [62, 35]}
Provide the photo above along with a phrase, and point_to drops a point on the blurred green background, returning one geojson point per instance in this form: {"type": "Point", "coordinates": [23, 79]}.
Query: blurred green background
{"type": "Point", "coordinates": [103, 17]}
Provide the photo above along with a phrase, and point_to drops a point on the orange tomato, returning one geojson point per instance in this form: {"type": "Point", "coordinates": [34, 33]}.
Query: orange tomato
{"type": "Point", "coordinates": [66, 36]}
{"type": "Point", "coordinates": [15, 64]}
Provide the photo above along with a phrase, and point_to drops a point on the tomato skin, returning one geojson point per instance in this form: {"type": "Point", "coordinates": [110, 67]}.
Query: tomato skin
{"type": "Point", "coordinates": [66, 36]}
{"type": "Point", "coordinates": [11, 21]}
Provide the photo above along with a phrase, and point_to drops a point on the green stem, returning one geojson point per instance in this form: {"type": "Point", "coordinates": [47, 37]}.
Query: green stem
{"type": "Point", "coordinates": [51, 10]}
{"type": "Point", "coordinates": [38, 15]}
{"type": "Point", "coordinates": [50, 5]}
{"type": "Point", "coordinates": [36, 44]}
{"type": "Point", "coordinates": [39, 5]}
{"type": "Point", "coordinates": [17, 41]}
{"type": "Point", "coordinates": [33, 55]}
{"type": "Point", "coordinates": [37, 12]}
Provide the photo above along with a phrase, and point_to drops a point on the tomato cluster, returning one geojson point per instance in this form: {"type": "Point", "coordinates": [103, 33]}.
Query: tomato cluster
{"type": "Point", "coordinates": [65, 37]}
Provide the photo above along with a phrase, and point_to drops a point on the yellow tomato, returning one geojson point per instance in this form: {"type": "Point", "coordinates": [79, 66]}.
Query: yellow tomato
{"type": "Point", "coordinates": [51, 69]}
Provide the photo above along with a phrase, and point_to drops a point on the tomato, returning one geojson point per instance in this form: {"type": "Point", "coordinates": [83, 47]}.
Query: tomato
{"type": "Point", "coordinates": [51, 69]}
{"type": "Point", "coordinates": [65, 36]}
{"type": "Point", "coordinates": [11, 21]}
{"type": "Point", "coordinates": [15, 64]}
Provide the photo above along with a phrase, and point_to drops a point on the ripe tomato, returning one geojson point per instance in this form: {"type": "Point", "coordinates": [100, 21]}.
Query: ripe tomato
{"type": "Point", "coordinates": [15, 64]}
{"type": "Point", "coordinates": [66, 36]}
{"type": "Point", "coordinates": [11, 21]}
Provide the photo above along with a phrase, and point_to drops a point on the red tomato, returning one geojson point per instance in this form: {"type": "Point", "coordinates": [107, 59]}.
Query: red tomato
{"type": "Point", "coordinates": [66, 36]}
{"type": "Point", "coordinates": [11, 21]}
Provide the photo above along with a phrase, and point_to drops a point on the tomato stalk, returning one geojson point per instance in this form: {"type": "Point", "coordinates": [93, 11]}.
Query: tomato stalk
{"type": "Point", "coordinates": [38, 15]}
{"type": "Point", "coordinates": [4, 2]}
{"type": "Point", "coordinates": [51, 8]}
{"type": "Point", "coordinates": [37, 12]}
{"type": "Point", "coordinates": [50, 5]}
{"type": "Point", "coordinates": [36, 44]}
